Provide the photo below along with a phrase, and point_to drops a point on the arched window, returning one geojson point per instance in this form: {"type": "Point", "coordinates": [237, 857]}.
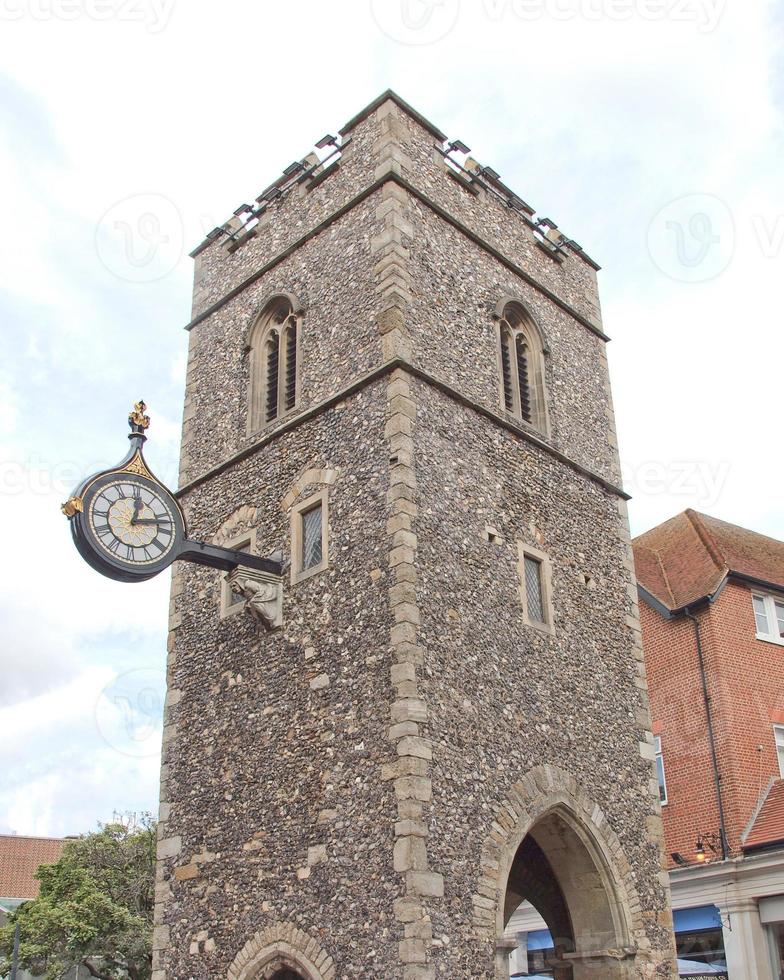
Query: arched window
{"type": "Point", "coordinates": [522, 366]}
{"type": "Point", "coordinates": [274, 356]}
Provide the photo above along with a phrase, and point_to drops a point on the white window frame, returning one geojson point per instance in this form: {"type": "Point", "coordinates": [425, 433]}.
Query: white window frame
{"type": "Point", "coordinates": [526, 551]}
{"type": "Point", "coordinates": [298, 574]}
{"type": "Point", "coordinates": [770, 601]}
{"type": "Point", "coordinates": [659, 758]}
{"type": "Point", "coordinates": [778, 738]}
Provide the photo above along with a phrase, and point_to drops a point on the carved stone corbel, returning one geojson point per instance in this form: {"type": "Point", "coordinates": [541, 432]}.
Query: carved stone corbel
{"type": "Point", "coordinates": [262, 592]}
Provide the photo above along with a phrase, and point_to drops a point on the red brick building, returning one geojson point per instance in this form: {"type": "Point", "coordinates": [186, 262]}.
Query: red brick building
{"type": "Point", "coordinates": [712, 616]}
{"type": "Point", "coordinates": [20, 858]}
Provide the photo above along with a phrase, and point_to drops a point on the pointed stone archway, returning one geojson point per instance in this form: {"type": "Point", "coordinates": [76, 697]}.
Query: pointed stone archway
{"type": "Point", "coordinates": [563, 874]}
{"type": "Point", "coordinates": [282, 952]}
{"type": "Point", "coordinates": [551, 845]}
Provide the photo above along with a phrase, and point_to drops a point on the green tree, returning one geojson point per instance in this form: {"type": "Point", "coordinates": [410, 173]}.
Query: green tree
{"type": "Point", "coordinates": [94, 909]}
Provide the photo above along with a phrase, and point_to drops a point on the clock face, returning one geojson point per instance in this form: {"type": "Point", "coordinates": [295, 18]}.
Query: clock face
{"type": "Point", "coordinates": [130, 525]}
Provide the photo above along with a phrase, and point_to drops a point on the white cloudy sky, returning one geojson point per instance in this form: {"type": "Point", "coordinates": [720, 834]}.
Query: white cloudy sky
{"type": "Point", "coordinates": [650, 130]}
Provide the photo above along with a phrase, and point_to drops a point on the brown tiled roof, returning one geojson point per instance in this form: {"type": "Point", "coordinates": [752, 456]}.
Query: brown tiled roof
{"type": "Point", "coordinates": [20, 858]}
{"type": "Point", "coordinates": [687, 557]}
{"type": "Point", "coordinates": [768, 827]}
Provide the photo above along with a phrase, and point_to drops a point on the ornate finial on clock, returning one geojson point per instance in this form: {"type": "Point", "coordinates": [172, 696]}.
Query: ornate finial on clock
{"type": "Point", "coordinates": [137, 420]}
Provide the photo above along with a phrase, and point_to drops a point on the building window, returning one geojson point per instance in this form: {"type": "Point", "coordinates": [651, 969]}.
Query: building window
{"type": "Point", "coordinates": [522, 366]}
{"type": "Point", "coordinates": [535, 588]}
{"type": "Point", "coordinates": [769, 617]}
{"type": "Point", "coordinates": [778, 734]}
{"type": "Point", "coordinates": [309, 537]}
{"type": "Point", "coordinates": [660, 769]}
{"type": "Point", "coordinates": [274, 363]}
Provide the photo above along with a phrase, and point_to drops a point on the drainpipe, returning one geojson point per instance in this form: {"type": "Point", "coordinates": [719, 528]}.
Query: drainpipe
{"type": "Point", "coordinates": [711, 738]}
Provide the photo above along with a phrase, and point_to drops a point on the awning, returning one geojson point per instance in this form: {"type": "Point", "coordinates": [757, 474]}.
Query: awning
{"type": "Point", "coordinates": [699, 917]}
{"type": "Point", "coordinates": [540, 939]}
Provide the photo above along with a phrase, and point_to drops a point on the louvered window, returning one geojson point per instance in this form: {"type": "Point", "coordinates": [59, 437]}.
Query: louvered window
{"type": "Point", "coordinates": [522, 367]}
{"type": "Point", "coordinates": [290, 392]}
{"type": "Point", "coordinates": [506, 367]}
{"type": "Point", "coordinates": [272, 356]}
{"type": "Point", "coordinates": [274, 366]}
{"type": "Point", "coordinates": [521, 349]}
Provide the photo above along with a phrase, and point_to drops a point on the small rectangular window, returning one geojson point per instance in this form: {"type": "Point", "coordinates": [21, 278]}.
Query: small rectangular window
{"type": "Point", "coordinates": [309, 536]}
{"type": "Point", "coordinates": [660, 769]}
{"type": "Point", "coordinates": [779, 608]}
{"type": "Point", "coordinates": [533, 589]}
{"type": "Point", "coordinates": [778, 733]}
{"type": "Point", "coordinates": [768, 617]}
{"type": "Point", "coordinates": [760, 615]}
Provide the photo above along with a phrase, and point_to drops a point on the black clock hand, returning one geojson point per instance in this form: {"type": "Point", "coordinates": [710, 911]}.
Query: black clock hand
{"type": "Point", "coordinates": [151, 520]}
{"type": "Point", "coordinates": [137, 506]}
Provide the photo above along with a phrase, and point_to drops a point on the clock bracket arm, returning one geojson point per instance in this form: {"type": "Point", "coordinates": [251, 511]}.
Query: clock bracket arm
{"type": "Point", "coordinates": [226, 559]}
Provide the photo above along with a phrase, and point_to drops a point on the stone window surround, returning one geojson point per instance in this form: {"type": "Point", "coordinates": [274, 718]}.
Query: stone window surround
{"type": "Point", "coordinates": [241, 542]}
{"type": "Point", "coordinates": [538, 348]}
{"type": "Point", "coordinates": [255, 346]}
{"type": "Point", "coordinates": [298, 574]}
{"type": "Point", "coordinates": [523, 551]}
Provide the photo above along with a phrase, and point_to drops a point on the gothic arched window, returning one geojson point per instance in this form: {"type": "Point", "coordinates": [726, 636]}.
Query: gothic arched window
{"type": "Point", "coordinates": [274, 355]}
{"type": "Point", "coordinates": [522, 366]}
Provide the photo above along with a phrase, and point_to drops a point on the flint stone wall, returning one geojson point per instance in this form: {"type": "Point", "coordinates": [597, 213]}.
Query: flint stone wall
{"type": "Point", "coordinates": [334, 787]}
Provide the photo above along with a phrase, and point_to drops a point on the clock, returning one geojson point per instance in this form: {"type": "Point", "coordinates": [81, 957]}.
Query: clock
{"type": "Point", "coordinates": [124, 522]}
{"type": "Point", "coordinates": [129, 526]}
{"type": "Point", "coordinates": [130, 523]}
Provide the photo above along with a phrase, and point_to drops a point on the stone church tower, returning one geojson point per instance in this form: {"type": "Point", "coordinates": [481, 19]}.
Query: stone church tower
{"type": "Point", "coordinates": [397, 380]}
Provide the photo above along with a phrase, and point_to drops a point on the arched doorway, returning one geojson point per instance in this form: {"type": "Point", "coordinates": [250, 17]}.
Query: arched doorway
{"type": "Point", "coordinates": [282, 951]}
{"type": "Point", "coordinates": [560, 870]}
